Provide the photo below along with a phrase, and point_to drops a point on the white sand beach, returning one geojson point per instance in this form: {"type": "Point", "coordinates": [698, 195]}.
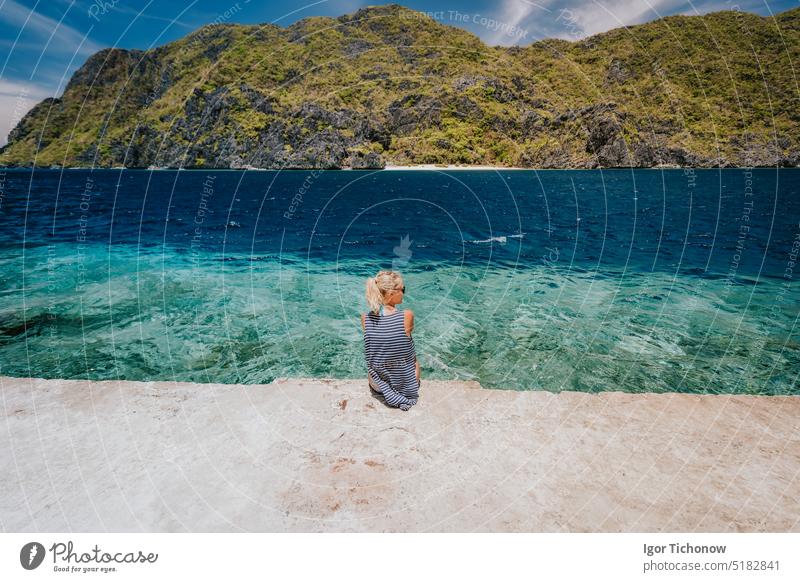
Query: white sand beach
{"type": "Point", "coordinates": [324, 455]}
{"type": "Point", "coordinates": [452, 167]}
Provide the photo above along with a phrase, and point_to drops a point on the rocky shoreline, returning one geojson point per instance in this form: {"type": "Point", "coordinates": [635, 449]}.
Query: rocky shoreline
{"type": "Point", "coordinates": [367, 90]}
{"type": "Point", "coordinates": [393, 168]}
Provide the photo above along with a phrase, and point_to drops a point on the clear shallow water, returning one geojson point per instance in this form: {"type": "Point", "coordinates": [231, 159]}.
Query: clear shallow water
{"type": "Point", "coordinates": [580, 280]}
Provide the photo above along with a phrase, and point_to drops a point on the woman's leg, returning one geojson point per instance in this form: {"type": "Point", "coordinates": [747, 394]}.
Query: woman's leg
{"type": "Point", "coordinates": [406, 383]}
{"type": "Point", "coordinates": [376, 383]}
{"type": "Point", "coordinates": [390, 395]}
{"type": "Point", "coordinates": [396, 399]}
{"type": "Point", "coordinates": [373, 387]}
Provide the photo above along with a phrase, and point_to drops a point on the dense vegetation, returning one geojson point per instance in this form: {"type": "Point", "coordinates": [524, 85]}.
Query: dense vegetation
{"type": "Point", "coordinates": [388, 85]}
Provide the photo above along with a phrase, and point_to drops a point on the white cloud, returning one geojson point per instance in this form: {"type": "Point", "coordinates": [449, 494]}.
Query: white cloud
{"type": "Point", "coordinates": [66, 38]}
{"type": "Point", "coordinates": [595, 17]}
{"type": "Point", "coordinates": [577, 19]}
{"type": "Point", "coordinates": [512, 15]}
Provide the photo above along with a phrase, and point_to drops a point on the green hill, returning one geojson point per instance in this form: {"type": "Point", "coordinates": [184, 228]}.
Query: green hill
{"type": "Point", "coordinates": [387, 85]}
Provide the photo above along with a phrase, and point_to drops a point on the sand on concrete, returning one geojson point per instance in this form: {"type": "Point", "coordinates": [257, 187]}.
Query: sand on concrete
{"type": "Point", "coordinates": [324, 455]}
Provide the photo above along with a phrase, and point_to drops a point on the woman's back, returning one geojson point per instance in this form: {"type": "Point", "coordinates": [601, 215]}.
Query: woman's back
{"type": "Point", "coordinates": [391, 358]}
{"type": "Point", "coordinates": [385, 338]}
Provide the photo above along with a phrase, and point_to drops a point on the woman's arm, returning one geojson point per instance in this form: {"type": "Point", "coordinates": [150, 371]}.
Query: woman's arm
{"type": "Point", "coordinates": [408, 321]}
{"type": "Point", "coordinates": [409, 325]}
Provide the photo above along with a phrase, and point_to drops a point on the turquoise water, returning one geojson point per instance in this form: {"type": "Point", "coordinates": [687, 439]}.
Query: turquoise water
{"type": "Point", "coordinates": [635, 281]}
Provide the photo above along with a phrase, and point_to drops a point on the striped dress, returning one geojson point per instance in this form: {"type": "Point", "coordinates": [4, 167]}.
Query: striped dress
{"type": "Point", "coordinates": [391, 358]}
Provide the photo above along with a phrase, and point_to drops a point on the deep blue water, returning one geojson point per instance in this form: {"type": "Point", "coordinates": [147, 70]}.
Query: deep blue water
{"type": "Point", "coordinates": [643, 280]}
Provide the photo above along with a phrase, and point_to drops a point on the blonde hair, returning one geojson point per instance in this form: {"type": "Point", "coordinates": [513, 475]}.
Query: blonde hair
{"type": "Point", "coordinates": [378, 285]}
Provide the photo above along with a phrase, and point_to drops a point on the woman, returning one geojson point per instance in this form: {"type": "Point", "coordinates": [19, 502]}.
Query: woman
{"type": "Point", "coordinates": [392, 363]}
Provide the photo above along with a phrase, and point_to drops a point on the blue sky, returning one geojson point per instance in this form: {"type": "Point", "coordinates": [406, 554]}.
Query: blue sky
{"type": "Point", "coordinates": [42, 42]}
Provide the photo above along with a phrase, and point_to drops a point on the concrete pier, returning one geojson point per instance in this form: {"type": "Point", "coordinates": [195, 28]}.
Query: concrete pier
{"type": "Point", "coordinates": [325, 455]}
